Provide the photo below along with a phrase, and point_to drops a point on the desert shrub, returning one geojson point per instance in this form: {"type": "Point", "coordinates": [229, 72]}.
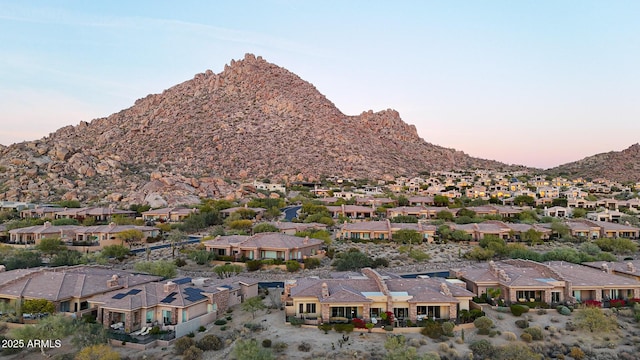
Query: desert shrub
{"type": "Point", "coordinates": [182, 344]}
{"type": "Point", "coordinates": [311, 263]}
{"type": "Point", "coordinates": [576, 353]}
{"type": "Point", "coordinates": [210, 342]}
{"type": "Point", "coordinates": [343, 328]}
{"type": "Point", "coordinates": [202, 328]}
{"type": "Point", "coordinates": [522, 323]}
{"type": "Point", "coordinates": [280, 346]}
{"type": "Point", "coordinates": [482, 349]}
{"type": "Point", "coordinates": [447, 328]}
{"type": "Point", "coordinates": [220, 322]}
{"type": "Point", "coordinates": [192, 353]}
{"type": "Point", "coordinates": [570, 326]}
{"type": "Point", "coordinates": [388, 327]}
{"type": "Point", "coordinates": [563, 310]}
{"type": "Point", "coordinates": [304, 346]}
{"type": "Point", "coordinates": [518, 310]}
{"type": "Point", "coordinates": [295, 321]}
{"type": "Point", "coordinates": [191, 334]}
{"type": "Point", "coordinates": [535, 332]}
{"type": "Point", "coordinates": [503, 309]}
{"type": "Point", "coordinates": [180, 262]}
{"type": "Point", "coordinates": [253, 265]}
{"type": "Point", "coordinates": [483, 322]}
{"type": "Point", "coordinates": [293, 265]}
{"type": "Point", "coordinates": [526, 337]}
{"type": "Point", "coordinates": [443, 348]}
{"type": "Point", "coordinates": [223, 328]}
{"type": "Point", "coordinates": [325, 327]}
{"type": "Point", "coordinates": [541, 311]}
{"type": "Point", "coordinates": [253, 326]}
{"type": "Point", "coordinates": [432, 329]}
{"type": "Point", "coordinates": [266, 343]}
{"type": "Point", "coordinates": [509, 336]}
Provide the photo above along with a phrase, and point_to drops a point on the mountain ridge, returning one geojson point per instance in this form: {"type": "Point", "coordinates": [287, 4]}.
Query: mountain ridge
{"type": "Point", "coordinates": [252, 120]}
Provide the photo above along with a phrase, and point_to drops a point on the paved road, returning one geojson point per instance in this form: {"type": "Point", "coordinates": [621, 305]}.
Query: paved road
{"type": "Point", "coordinates": [192, 240]}
{"type": "Point", "coordinates": [291, 212]}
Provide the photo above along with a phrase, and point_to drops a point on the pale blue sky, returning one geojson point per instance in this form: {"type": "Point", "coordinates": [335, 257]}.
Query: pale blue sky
{"type": "Point", "coordinates": [538, 83]}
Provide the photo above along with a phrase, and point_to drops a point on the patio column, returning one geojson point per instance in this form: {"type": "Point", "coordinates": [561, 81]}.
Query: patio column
{"type": "Point", "coordinates": [546, 296]}
{"type": "Point", "coordinates": [106, 317]}
{"type": "Point", "coordinates": [453, 312]}
{"type": "Point", "coordinates": [636, 293]}
{"type": "Point", "coordinates": [366, 312]}
{"type": "Point", "coordinates": [413, 312]}
{"type": "Point", "coordinates": [326, 312]}
{"type": "Point", "coordinates": [128, 321]}
{"type": "Point", "coordinates": [598, 294]}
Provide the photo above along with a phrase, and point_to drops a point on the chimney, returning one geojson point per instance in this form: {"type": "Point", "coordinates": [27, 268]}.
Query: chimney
{"type": "Point", "coordinates": [306, 240]}
{"type": "Point", "coordinates": [47, 224]}
{"type": "Point", "coordinates": [170, 286]}
{"type": "Point", "coordinates": [325, 290]}
{"type": "Point", "coordinates": [113, 282]}
{"type": "Point", "coordinates": [631, 267]}
{"type": "Point", "coordinates": [606, 269]}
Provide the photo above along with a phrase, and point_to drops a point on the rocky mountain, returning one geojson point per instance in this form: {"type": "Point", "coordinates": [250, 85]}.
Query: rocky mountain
{"type": "Point", "coordinates": [252, 120]}
{"type": "Point", "coordinates": [622, 166]}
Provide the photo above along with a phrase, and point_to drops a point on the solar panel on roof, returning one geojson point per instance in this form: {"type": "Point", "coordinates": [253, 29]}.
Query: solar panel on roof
{"type": "Point", "coordinates": [193, 294]}
{"type": "Point", "coordinates": [183, 281]}
{"type": "Point", "coordinates": [169, 299]}
{"type": "Point", "coordinates": [119, 296]}
{"type": "Point", "coordinates": [134, 291]}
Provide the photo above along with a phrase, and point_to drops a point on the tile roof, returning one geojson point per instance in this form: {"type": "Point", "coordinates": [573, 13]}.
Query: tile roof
{"type": "Point", "coordinates": [581, 275]}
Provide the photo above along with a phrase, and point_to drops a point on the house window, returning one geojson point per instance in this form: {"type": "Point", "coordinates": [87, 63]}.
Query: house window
{"type": "Point", "coordinates": [525, 295]}
{"type": "Point", "coordinates": [84, 305]}
{"type": "Point", "coordinates": [222, 252]}
{"type": "Point", "coordinates": [65, 306]}
{"type": "Point", "coordinates": [400, 313]}
{"type": "Point", "coordinates": [348, 312]}
{"type": "Point", "coordinates": [375, 312]}
{"type": "Point", "coordinates": [149, 316]}
{"type": "Point", "coordinates": [311, 308]}
{"type": "Point", "coordinates": [300, 308]}
{"type": "Point", "coordinates": [428, 311]}
{"type": "Point", "coordinates": [555, 297]}
{"type": "Point", "coordinates": [166, 317]}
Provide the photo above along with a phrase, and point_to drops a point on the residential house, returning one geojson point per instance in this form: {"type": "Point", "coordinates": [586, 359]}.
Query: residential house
{"type": "Point", "coordinates": [97, 235]}
{"type": "Point", "coordinates": [582, 203]}
{"type": "Point", "coordinates": [181, 305]}
{"type": "Point", "coordinates": [629, 268]}
{"type": "Point", "coordinates": [606, 215]}
{"type": "Point", "coordinates": [68, 288]}
{"type": "Point", "coordinates": [94, 214]}
{"type": "Point", "coordinates": [259, 212]}
{"type": "Point", "coordinates": [479, 231]}
{"type": "Point", "coordinates": [373, 201]}
{"type": "Point", "coordinates": [369, 295]}
{"type": "Point", "coordinates": [40, 212]}
{"type": "Point", "coordinates": [615, 230]}
{"type": "Point", "coordinates": [265, 246]}
{"type": "Point", "coordinates": [169, 214]}
{"type": "Point", "coordinates": [557, 212]}
{"type": "Point", "coordinates": [291, 228]}
{"type": "Point", "coordinates": [384, 230]}
{"type": "Point", "coordinates": [354, 212]}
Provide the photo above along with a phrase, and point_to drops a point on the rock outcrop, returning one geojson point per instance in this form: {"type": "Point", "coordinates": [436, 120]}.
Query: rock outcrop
{"type": "Point", "coordinates": [252, 120]}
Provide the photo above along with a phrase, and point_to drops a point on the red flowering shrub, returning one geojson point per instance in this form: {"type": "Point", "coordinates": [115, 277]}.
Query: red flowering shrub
{"type": "Point", "coordinates": [633, 301]}
{"type": "Point", "coordinates": [617, 303]}
{"type": "Point", "coordinates": [593, 303]}
{"type": "Point", "coordinates": [358, 323]}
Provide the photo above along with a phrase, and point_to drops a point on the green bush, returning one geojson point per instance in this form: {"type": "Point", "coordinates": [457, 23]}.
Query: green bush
{"type": "Point", "coordinates": [482, 349]}
{"type": "Point", "coordinates": [311, 263]}
{"type": "Point", "coordinates": [182, 344]}
{"type": "Point", "coordinates": [535, 332]}
{"type": "Point", "coordinates": [448, 327]}
{"type": "Point", "coordinates": [220, 322]}
{"type": "Point", "coordinates": [563, 310]}
{"type": "Point", "coordinates": [266, 343]}
{"type": "Point", "coordinates": [526, 337]}
{"type": "Point", "coordinates": [503, 309]}
{"type": "Point", "coordinates": [180, 262]}
{"type": "Point", "coordinates": [518, 310]}
{"type": "Point", "coordinates": [304, 347]}
{"type": "Point", "coordinates": [432, 329]}
{"type": "Point", "coordinates": [210, 342]}
{"type": "Point", "coordinates": [280, 346]}
{"type": "Point", "coordinates": [388, 327]}
{"type": "Point", "coordinates": [522, 324]}
{"type": "Point", "coordinates": [293, 265]}
{"type": "Point", "coordinates": [343, 327]}
{"type": "Point", "coordinates": [253, 265]}
{"type": "Point", "coordinates": [202, 328]}
{"type": "Point", "coordinates": [192, 353]}
{"type": "Point", "coordinates": [325, 327]}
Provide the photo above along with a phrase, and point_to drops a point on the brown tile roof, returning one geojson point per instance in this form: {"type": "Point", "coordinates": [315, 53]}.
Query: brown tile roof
{"type": "Point", "coordinates": [581, 275]}
{"type": "Point", "coordinates": [278, 241]}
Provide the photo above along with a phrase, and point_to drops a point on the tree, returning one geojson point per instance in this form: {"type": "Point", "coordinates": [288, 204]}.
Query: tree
{"type": "Point", "coordinates": [403, 201]}
{"type": "Point", "coordinates": [404, 219]}
{"type": "Point", "coordinates": [594, 320]}
{"type": "Point", "coordinates": [522, 200]}
{"type": "Point", "coordinates": [480, 254]}
{"type": "Point", "coordinates": [22, 259]}
{"type": "Point", "coordinates": [65, 221]}
{"type": "Point", "coordinates": [352, 260]}
{"type": "Point", "coordinates": [88, 334]}
{"type": "Point", "coordinates": [38, 306]}
{"type": "Point", "coordinates": [253, 305]}
{"type": "Point", "coordinates": [115, 251]}
{"type": "Point", "coordinates": [440, 200]}
{"type": "Point", "coordinates": [164, 268]}
{"type": "Point", "coordinates": [131, 236]}
{"type": "Point", "coordinates": [466, 212]}
{"type": "Point", "coordinates": [532, 236]}
{"type": "Point", "coordinates": [560, 229]}
{"type": "Point", "coordinates": [579, 213]}
{"type": "Point", "coordinates": [227, 270]}
{"type": "Point", "coordinates": [50, 246]}
{"type": "Point", "coordinates": [98, 352]}
{"type": "Point", "coordinates": [444, 215]}
{"type": "Point", "coordinates": [272, 213]}
{"type": "Point", "coordinates": [250, 350]}
{"type": "Point", "coordinates": [264, 227]}
{"type": "Point", "coordinates": [175, 237]}
{"type": "Point", "coordinates": [407, 236]}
